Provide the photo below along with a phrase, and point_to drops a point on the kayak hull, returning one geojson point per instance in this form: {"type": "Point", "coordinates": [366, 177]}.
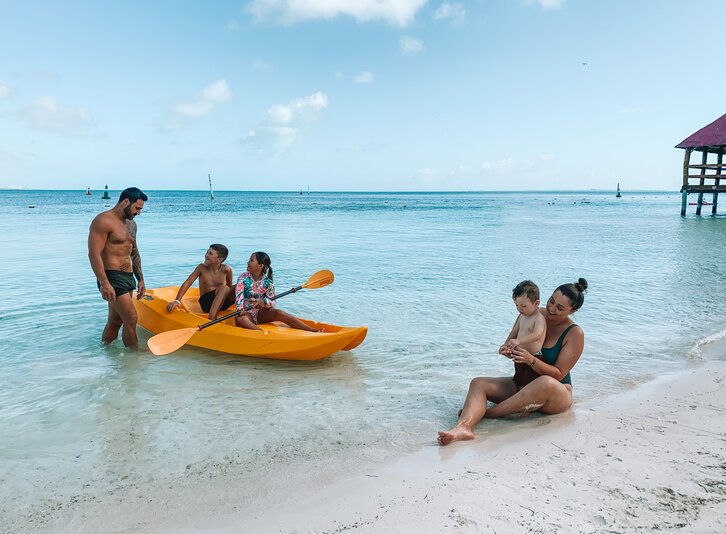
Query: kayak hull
{"type": "Point", "coordinates": [275, 340]}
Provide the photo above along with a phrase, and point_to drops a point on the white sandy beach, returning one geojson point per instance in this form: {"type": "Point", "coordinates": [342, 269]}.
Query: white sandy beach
{"type": "Point", "coordinates": [651, 460]}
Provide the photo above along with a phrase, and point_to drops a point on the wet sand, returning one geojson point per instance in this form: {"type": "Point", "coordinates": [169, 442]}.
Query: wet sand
{"type": "Point", "coordinates": [653, 459]}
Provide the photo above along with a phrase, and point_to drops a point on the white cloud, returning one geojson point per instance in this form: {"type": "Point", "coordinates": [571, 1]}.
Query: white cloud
{"type": "Point", "coordinates": [547, 157]}
{"type": "Point", "coordinates": [409, 45]}
{"type": "Point", "coordinates": [233, 25]}
{"type": "Point", "coordinates": [500, 166]}
{"type": "Point", "coordinates": [45, 114]}
{"type": "Point", "coordinates": [455, 11]}
{"type": "Point", "coordinates": [261, 64]}
{"type": "Point", "coordinates": [396, 12]}
{"type": "Point", "coordinates": [364, 77]}
{"type": "Point", "coordinates": [628, 111]}
{"type": "Point", "coordinates": [215, 93]}
{"type": "Point", "coordinates": [4, 89]}
{"type": "Point", "coordinates": [285, 121]}
{"type": "Point", "coordinates": [426, 177]}
{"type": "Point", "coordinates": [548, 4]}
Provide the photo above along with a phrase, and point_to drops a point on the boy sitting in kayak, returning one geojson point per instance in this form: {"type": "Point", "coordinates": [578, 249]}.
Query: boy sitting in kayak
{"type": "Point", "coordinates": [215, 283]}
{"type": "Point", "coordinates": [255, 288]}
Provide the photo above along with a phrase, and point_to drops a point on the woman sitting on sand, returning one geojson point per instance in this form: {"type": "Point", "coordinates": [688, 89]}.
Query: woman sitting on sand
{"type": "Point", "coordinates": [539, 384]}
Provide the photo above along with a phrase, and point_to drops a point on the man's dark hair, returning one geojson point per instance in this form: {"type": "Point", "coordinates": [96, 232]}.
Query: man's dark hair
{"type": "Point", "coordinates": [221, 250]}
{"type": "Point", "coordinates": [133, 194]}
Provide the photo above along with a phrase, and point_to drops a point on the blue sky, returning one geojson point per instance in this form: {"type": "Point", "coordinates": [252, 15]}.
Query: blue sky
{"type": "Point", "coordinates": [356, 95]}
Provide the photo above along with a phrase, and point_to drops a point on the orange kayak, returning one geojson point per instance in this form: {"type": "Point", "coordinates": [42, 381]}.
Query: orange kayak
{"type": "Point", "coordinates": [275, 340]}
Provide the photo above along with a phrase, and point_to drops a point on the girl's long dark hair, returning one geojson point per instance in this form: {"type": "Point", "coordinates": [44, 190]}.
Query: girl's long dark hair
{"type": "Point", "coordinates": [265, 260]}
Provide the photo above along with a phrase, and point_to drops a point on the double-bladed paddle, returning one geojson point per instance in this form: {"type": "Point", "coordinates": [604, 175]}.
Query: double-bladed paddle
{"type": "Point", "coordinates": [168, 342]}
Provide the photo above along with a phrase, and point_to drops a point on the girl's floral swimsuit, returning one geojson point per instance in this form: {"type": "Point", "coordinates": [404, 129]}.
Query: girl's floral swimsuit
{"type": "Point", "coordinates": [249, 291]}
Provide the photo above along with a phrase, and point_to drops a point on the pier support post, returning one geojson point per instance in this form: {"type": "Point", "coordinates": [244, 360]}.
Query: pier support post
{"type": "Point", "coordinates": [684, 202]}
{"type": "Point", "coordinates": [715, 203]}
{"type": "Point", "coordinates": [699, 203]}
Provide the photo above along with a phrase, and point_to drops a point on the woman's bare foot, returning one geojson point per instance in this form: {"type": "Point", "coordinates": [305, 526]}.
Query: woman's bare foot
{"type": "Point", "coordinates": [458, 433]}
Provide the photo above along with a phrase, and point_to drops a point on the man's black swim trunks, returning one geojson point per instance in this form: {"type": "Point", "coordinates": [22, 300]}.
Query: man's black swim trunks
{"type": "Point", "coordinates": [206, 300]}
{"type": "Point", "coordinates": [121, 281]}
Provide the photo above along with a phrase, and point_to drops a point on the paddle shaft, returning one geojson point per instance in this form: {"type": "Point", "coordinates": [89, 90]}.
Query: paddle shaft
{"type": "Point", "coordinates": [238, 312]}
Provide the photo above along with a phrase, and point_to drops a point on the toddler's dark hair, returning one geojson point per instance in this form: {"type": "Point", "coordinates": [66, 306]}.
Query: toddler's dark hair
{"type": "Point", "coordinates": [527, 288]}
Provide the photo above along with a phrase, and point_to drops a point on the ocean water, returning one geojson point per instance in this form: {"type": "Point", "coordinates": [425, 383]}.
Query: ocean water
{"type": "Point", "coordinates": [88, 428]}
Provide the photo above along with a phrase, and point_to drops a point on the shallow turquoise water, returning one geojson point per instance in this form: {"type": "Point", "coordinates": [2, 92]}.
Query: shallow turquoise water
{"type": "Point", "coordinates": [430, 274]}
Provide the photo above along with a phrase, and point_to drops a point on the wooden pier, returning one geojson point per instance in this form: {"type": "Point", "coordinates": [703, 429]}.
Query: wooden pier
{"type": "Point", "coordinates": [705, 174]}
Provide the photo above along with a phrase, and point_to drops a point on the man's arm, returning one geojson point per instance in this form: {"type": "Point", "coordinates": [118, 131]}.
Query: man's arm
{"type": "Point", "coordinates": [97, 236]}
{"type": "Point", "coordinates": [136, 259]}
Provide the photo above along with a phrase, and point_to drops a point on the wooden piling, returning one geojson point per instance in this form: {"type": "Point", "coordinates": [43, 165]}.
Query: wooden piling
{"type": "Point", "coordinates": [711, 139]}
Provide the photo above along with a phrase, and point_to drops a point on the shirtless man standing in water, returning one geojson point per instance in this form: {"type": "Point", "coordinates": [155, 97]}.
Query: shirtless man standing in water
{"type": "Point", "coordinates": [115, 261]}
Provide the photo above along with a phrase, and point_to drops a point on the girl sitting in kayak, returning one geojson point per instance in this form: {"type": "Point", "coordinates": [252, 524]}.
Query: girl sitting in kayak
{"type": "Point", "coordinates": [255, 288]}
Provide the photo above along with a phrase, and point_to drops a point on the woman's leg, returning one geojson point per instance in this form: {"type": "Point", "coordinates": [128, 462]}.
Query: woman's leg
{"type": "Point", "coordinates": [544, 394]}
{"type": "Point", "coordinates": [481, 390]}
{"type": "Point", "coordinates": [267, 315]}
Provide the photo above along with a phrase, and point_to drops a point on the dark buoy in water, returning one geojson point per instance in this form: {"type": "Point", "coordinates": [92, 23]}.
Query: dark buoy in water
{"type": "Point", "coordinates": [88, 191]}
{"type": "Point", "coordinates": [105, 194]}
{"type": "Point", "coordinates": [32, 206]}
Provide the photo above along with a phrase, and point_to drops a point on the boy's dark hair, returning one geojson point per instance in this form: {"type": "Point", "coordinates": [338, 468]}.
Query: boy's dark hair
{"type": "Point", "coordinates": [527, 288]}
{"type": "Point", "coordinates": [221, 250]}
{"type": "Point", "coordinates": [133, 194]}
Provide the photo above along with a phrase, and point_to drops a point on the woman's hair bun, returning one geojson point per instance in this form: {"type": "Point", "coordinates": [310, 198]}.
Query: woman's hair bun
{"type": "Point", "coordinates": [581, 284]}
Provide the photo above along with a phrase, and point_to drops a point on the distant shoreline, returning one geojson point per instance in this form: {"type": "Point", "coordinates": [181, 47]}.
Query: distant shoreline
{"type": "Point", "coordinates": [297, 191]}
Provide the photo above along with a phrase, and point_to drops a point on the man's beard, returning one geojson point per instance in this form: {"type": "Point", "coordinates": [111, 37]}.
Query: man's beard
{"type": "Point", "coordinates": [128, 213]}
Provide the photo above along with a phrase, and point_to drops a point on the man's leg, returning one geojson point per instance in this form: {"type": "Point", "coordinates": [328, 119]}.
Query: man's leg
{"type": "Point", "coordinates": [124, 308]}
{"type": "Point", "coordinates": [113, 323]}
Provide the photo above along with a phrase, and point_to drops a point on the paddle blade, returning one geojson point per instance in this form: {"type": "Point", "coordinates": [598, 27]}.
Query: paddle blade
{"type": "Point", "coordinates": [170, 341]}
{"type": "Point", "coordinates": [320, 279]}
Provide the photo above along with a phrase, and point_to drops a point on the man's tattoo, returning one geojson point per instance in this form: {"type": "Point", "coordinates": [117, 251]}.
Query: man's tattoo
{"type": "Point", "coordinates": [135, 255]}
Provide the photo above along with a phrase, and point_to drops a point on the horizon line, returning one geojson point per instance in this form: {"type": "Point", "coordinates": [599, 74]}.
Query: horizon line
{"type": "Point", "coordinates": [305, 192]}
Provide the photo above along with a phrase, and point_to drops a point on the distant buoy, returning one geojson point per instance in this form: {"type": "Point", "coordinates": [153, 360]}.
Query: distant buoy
{"type": "Point", "coordinates": [105, 194]}
{"type": "Point", "coordinates": [32, 206]}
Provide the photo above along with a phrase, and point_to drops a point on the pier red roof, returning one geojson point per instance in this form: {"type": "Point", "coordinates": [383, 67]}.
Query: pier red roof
{"type": "Point", "coordinates": [712, 135]}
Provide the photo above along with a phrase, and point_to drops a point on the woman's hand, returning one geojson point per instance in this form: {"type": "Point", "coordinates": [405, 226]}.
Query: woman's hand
{"type": "Point", "coordinates": [505, 350]}
{"type": "Point", "coordinates": [173, 305]}
{"type": "Point", "coordinates": [520, 355]}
